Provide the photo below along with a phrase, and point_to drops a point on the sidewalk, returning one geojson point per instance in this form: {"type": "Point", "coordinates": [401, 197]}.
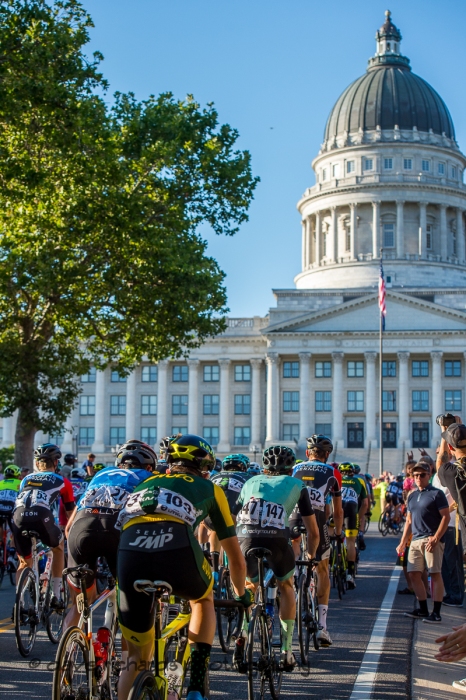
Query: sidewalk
{"type": "Point", "coordinates": [431, 680]}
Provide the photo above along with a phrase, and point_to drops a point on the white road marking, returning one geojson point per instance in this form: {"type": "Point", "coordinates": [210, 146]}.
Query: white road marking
{"type": "Point", "coordinates": [362, 689]}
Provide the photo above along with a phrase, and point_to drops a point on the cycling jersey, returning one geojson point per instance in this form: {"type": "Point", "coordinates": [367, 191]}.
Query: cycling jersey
{"type": "Point", "coordinates": [395, 488]}
{"type": "Point", "coordinates": [42, 489]}
{"type": "Point", "coordinates": [231, 484]}
{"type": "Point", "coordinates": [353, 488]}
{"type": "Point", "coordinates": [320, 479]}
{"type": "Point", "coordinates": [109, 489]}
{"type": "Point", "coordinates": [79, 487]}
{"type": "Point", "coordinates": [8, 492]}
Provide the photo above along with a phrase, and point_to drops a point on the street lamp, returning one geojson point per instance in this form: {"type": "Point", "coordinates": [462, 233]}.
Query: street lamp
{"type": "Point", "coordinates": [255, 449]}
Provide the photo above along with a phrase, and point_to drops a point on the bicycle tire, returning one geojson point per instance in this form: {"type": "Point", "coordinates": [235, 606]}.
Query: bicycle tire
{"type": "Point", "coordinates": [257, 653]}
{"type": "Point", "coordinates": [71, 673]}
{"type": "Point", "coordinates": [383, 527]}
{"type": "Point", "coordinates": [144, 687]}
{"type": "Point", "coordinates": [304, 612]}
{"type": "Point", "coordinates": [366, 526]}
{"type": "Point", "coordinates": [25, 612]}
{"type": "Point", "coordinates": [315, 611]}
{"type": "Point", "coordinates": [54, 619]}
{"type": "Point", "coordinates": [227, 618]}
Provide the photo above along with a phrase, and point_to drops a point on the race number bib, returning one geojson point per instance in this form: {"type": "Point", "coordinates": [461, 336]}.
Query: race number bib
{"type": "Point", "coordinates": [133, 508]}
{"type": "Point", "coordinates": [317, 498]}
{"type": "Point", "coordinates": [8, 495]}
{"type": "Point", "coordinates": [39, 498]}
{"type": "Point", "coordinates": [250, 512]}
{"type": "Point", "coordinates": [273, 515]}
{"type": "Point", "coordinates": [172, 503]}
{"type": "Point", "coordinates": [349, 494]}
{"type": "Point", "coordinates": [234, 485]}
{"type": "Point", "coordinates": [104, 497]}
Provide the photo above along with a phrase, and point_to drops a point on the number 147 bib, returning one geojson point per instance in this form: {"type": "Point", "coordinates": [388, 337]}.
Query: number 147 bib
{"type": "Point", "coordinates": [267, 514]}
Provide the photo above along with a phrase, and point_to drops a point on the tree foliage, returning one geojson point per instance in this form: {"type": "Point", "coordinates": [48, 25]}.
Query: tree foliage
{"type": "Point", "coordinates": [99, 211]}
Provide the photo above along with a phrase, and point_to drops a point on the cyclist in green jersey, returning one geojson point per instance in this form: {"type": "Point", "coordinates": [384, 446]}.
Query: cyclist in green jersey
{"type": "Point", "coordinates": [363, 504]}
{"type": "Point", "coordinates": [267, 501]}
{"type": "Point", "coordinates": [158, 542]}
{"type": "Point", "coordinates": [9, 488]}
{"type": "Point", "coordinates": [352, 490]}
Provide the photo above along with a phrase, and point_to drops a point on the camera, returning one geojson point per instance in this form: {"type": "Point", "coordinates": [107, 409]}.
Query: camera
{"type": "Point", "coordinates": [445, 419]}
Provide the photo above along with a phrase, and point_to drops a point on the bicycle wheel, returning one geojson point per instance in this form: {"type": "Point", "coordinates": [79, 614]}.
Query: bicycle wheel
{"type": "Point", "coordinates": [26, 617]}
{"type": "Point", "coordinates": [257, 655]}
{"type": "Point", "coordinates": [304, 619]}
{"type": "Point", "coordinates": [144, 687]}
{"type": "Point", "coordinates": [383, 524]}
{"type": "Point", "coordinates": [54, 618]}
{"type": "Point", "coordinates": [71, 673]}
{"type": "Point", "coordinates": [227, 618]}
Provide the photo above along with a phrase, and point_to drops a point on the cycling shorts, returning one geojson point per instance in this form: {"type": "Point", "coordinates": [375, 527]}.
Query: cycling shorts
{"type": "Point", "coordinates": [323, 549]}
{"type": "Point", "coordinates": [92, 536]}
{"type": "Point", "coordinates": [6, 510]}
{"type": "Point", "coordinates": [39, 520]}
{"type": "Point", "coordinates": [281, 561]}
{"type": "Point", "coordinates": [392, 498]}
{"type": "Point", "coordinates": [158, 550]}
{"type": "Point", "coordinates": [351, 522]}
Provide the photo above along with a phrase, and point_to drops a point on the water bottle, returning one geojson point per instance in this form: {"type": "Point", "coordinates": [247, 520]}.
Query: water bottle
{"type": "Point", "coordinates": [103, 636]}
{"type": "Point", "coordinates": [174, 675]}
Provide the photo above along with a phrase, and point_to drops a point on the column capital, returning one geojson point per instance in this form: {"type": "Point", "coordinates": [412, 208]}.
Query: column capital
{"type": "Point", "coordinates": [403, 355]}
{"type": "Point", "coordinates": [224, 361]}
{"type": "Point", "coordinates": [436, 355]}
{"type": "Point", "coordinates": [256, 362]}
{"type": "Point", "coordinates": [400, 202]}
{"type": "Point", "coordinates": [370, 356]}
{"type": "Point", "coordinates": [163, 363]}
{"type": "Point", "coordinates": [338, 356]}
{"type": "Point", "coordinates": [333, 208]}
{"type": "Point", "coordinates": [353, 205]}
{"type": "Point", "coordinates": [376, 202]}
{"type": "Point", "coordinates": [305, 356]}
{"type": "Point", "coordinates": [193, 362]}
{"type": "Point", "coordinates": [422, 205]}
{"type": "Point", "coordinates": [272, 358]}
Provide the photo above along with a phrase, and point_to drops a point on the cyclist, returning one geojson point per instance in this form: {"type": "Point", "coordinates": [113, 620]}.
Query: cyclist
{"type": "Point", "coordinates": [9, 487]}
{"type": "Point", "coordinates": [266, 502]}
{"type": "Point", "coordinates": [33, 511]}
{"type": "Point", "coordinates": [91, 531]}
{"type": "Point", "coordinates": [322, 481]}
{"type": "Point", "coordinates": [363, 506]}
{"type": "Point", "coordinates": [158, 542]}
{"type": "Point", "coordinates": [394, 497]}
{"type": "Point", "coordinates": [254, 469]}
{"type": "Point", "coordinates": [352, 490]}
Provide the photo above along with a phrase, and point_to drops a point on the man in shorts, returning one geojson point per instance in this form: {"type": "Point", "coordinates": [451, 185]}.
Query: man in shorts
{"type": "Point", "coordinates": [322, 481]}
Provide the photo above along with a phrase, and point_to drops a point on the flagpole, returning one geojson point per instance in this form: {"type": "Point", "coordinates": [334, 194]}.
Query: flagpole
{"type": "Point", "coordinates": [381, 320]}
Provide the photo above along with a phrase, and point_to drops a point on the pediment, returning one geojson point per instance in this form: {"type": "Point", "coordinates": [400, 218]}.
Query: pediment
{"type": "Point", "coordinates": [404, 313]}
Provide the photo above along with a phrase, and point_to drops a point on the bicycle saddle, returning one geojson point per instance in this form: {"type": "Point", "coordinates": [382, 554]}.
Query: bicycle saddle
{"type": "Point", "coordinates": [259, 552]}
{"type": "Point", "coordinates": [78, 571]}
{"type": "Point", "coordinates": [30, 533]}
{"type": "Point", "coordinates": [159, 588]}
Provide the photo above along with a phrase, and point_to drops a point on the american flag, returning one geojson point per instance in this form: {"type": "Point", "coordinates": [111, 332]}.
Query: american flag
{"type": "Point", "coordinates": [382, 307]}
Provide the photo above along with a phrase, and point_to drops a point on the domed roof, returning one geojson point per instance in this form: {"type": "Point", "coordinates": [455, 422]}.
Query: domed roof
{"type": "Point", "coordinates": [389, 96]}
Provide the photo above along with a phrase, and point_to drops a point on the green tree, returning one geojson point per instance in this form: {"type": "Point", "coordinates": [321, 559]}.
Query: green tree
{"type": "Point", "coordinates": [100, 206]}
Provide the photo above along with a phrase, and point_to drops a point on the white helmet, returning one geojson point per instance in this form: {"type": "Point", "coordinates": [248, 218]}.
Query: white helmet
{"type": "Point", "coordinates": [78, 473]}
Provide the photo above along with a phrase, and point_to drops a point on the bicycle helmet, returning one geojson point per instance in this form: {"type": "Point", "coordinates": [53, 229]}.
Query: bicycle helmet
{"type": "Point", "coordinates": [356, 468]}
{"type": "Point", "coordinates": [98, 467]}
{"type": "Point", "coordinates": [400, 478]}
{"type": "Point", "coordinates": [299, 461]}
{"type": "Point", "coordinates": [165, 442]}
{"type": "Point", "coordinates": [70, 459]}
{"type": "Point", "coordinates": [236, 462]}
{"type": "Point", "coordinates": [130, 445]}
{"type": "Point", "coordinates": [346, 468]}
{"type": "Point", "coordinates": [47, 452]}
{"type": "Point", "coordinates": [278, 458]}
{"type": "Point", "coordinates": [191, 451]}
{"type": "Point", "coordinates": [162, 466]}
{"type": "Point", "coordinates": [12, 471]}
{"type": "Point", "coordinates": [78, 473]}
{"type": "Point", "coordinates": [136, 456]}
{"type": "Point", "coordinates": [321, 441]}
{"type": "Point", "coordinates": [254, 468]}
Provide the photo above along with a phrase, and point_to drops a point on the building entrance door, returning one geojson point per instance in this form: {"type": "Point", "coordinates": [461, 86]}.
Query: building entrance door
{"type": "Point", "coordinates": [420, 434]}
{"type": "Point", "coordinates": [355, 434]}
{"type": "Point", "coordinates": [389, 434]}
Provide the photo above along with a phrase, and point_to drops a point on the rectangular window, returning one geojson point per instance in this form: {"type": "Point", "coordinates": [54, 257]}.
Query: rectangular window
{"type": "Point", "coordinates": [350, 166]}
{"type": "Point", "coordinates": [116, 377]}
{"type": "Point", "coordinates": [454, 172]}
{"type": "Point", "coordinates": [355, 369]}
{"type": "Point", "coordinates": [421, 435]}
{"type": "Point", "coordinates": [242, 373]}
{"type": "Point", "coordinates": [425, 166]}
{"type": "Point", "coordinates": [179, 430]}
{"type": "Point", "coordinates": [149, 405]}
{"type": "Point", "coordinates": [87, 405]}
{"type": "Point", "coordinates": [355, 401]}
{"type": "Point", "coordinates": [211, 373]}
{"type": "Point", "coordinates": [118, 405]}
{"type": "Point", "coordinates": [242, 404]}
{"type": "Point", "coordinates": [323, 369]}
{"type": "Point", "coordinates": [429, 236]}
{"type": "Point", "coordinates": [117, 436]}
{"type": "Point", "coordinates": [453, 400]}
{"type": "Point", "coordinates": [86, 436]}
{"type": "Point", "coordinates": [420, 368]}
{"type": "Point", "coordinates": [420, 401]}
{"type": "Point", "coordinates": [149, 373]}
{"type": "Point", "coordinates": [243, 435]}
{"type": "Point", "coordinates": [388, 368]}
{"type": "Point", "coordinates": [441, 168]}
{"type": "Point", "coordinates": [291, 369]}
{"type": "Point", "coordinates": [323, 400]}
{"type": "Point", "coordinates": [368, 164]}
{"type": "Point", "coordinates": [336, 170]}
{"type": "Point", "coordinates": [210, 433]}
{"type": "Point", "coordinates": [324, 174]}
{"type": "Point", "coordinates": [180, 405]}
{"type": "Point", "coordinates": [211, 404]}
{"type": "Point", "coordinates": [389, 235]}
{"type": "Point", "coordinates": [388, 163]}
{"type": "Point", "coordinates": [452, 368]}
{"type": "Point", "coordinates": [290, 401]}
{"type": "Point", "coordinates": [180, 373]}
{"type": "Point", "coordinates": [324, 429]}
{"type": "Point", "coordinates": [407, 163]}
{"type": "Point", "coordinates": [291, 432]}
{"type": "Point", "coordinates": [149, 435]}
{"type": "Point", "coordinates": [389, 400]}
{"type": "Point", "coordinates": [90, 376]}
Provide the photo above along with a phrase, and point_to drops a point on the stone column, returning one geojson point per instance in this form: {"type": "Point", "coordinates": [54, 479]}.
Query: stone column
{"type": "Point", "coordinates": [224, 417]}
{"type": "Point", "coordinates": [337, 399]}
{"type": "Point", "coordinates": [8, 433]}
{"type": "Point", "coordinates": [376, 229]}
{"type": "Point", "coordinates": [98, 446]}
{"type": "Point", "coordinates": [308, 241]}
{"type": "Point", "coordinates": [256, 402]}
{"type": "Point", "coordinates": [371, 400]}
{"type": "Point", "coordinates": [335, 251]}
{"type": "Point", "coordinates": [131, 408]}
{"type": "Point", "coordinates": [303, 244]}
{"type": "Point", "coordinates": [68, 432]}
{"type": "Point", "coordinates": [353, 214]}
{"type": "Point", "coordinates": [422, 230]}
{"type": "Point", "coordinates": [460, 244]}
{"type": "Point", "coordinates": [193, 397]}
{"type": "Point", "coordinates": [443, 232]}
{"type": "Point", "coordinates": [437, 405]}
{"type": "Point", "coordinates": [400, 229]}
{"type": "Point", "coordinates": [403, 401]}
{"type": "Point", "coordinates": [318, 251]}
{"type": "Point", "coordinates": [304, 398]}
{"type": "Point", "coordinates": [162, 400]}
{"type": "Point", "coordinates": [273, 398]}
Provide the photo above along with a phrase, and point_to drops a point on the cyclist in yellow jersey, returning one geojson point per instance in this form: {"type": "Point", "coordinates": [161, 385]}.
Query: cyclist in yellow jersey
{"type": "Point", "coordinates": [9, 488]}
{"type": "Point", "coordinates": [363, 504]}
{"type": "Point", "coordinates": [352, 490]}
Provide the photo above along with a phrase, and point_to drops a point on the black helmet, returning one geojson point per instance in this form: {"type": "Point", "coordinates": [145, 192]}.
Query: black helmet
{"type": "Point", "coordinates": [47, 452]}
{"type": "Point", "coordinates": [356, 468]}
{"type": "Point", "coordinates": [164, 443]}
{"type": "Point", "coordinates": [70, 459]}
{"type": "Point", "coordinates": [278, 458]}
{"type": "Point", "coordinates": [162, 466]}
{"type": "Point", "coordinates": [321, 441]}
{"type": "Point", "coordinates": [132, 444]}
{"type": "Point", "coordinates": [236, 462]}
{"type": "Point", "coordinates": [191, 450]}
{"type": "Point", "coordinates": [136, 455]}
{"type": "Point", "coordinates": [400, 477]}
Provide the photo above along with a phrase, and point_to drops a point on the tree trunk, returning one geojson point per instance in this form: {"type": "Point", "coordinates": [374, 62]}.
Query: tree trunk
{"type": "Point", "coordinates": [24, 442]}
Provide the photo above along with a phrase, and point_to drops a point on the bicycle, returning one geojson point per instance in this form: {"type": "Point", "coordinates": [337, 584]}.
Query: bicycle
{"type": "Point", "coordinates": [32, 602]}
{"type": "Point", "coordinates": [8, 558]}
{"type": "Point", "coordinates": [368, 520]}
{"type": "Point", "coordinates": [338, 565]}
{"type": "Point", "coordinates": [387, 522]}
{"type": "Point", "coordinates": [308, 608]}
{"type": "Point", "coordinates": [87, 666]}
{"type": "Point", "coordinates": [229, 619]}
{"type": "Point", "coordinates": [155, 684]}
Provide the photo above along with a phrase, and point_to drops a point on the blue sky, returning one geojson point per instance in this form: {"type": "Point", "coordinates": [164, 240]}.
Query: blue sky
{"type": "Point", "coordinates": [274, 70]}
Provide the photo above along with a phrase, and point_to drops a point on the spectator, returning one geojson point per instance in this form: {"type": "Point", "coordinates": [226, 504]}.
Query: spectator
{"type": "Point", "coordinates": [88, 464]}
{"type": "Point", "coordinates": [427, 520]}
{"type": "Point", "coordinates": [452, 565]}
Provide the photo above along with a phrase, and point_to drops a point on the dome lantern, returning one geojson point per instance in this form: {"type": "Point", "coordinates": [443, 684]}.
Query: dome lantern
{"type": "Point", "coordinates": [388, 37]}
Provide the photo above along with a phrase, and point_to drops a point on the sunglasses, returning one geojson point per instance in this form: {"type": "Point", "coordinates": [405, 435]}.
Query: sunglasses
{"type": "Point", "coordinates": [420, 474]}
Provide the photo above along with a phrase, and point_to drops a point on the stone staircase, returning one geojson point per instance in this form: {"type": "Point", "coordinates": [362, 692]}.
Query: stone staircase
{"type": "Point", "coordinates": [368, 458]}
